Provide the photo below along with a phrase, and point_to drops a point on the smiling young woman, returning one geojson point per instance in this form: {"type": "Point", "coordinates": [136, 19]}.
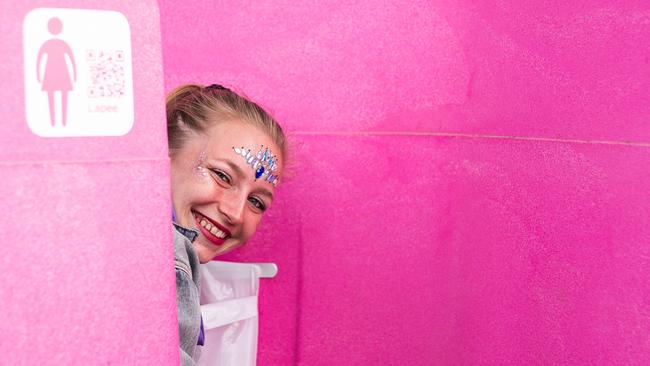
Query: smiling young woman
{"type": "Point", "coordinates": [227, 157]}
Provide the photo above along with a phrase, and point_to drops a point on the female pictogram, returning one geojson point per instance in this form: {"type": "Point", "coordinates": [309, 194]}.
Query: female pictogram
{"type": "Point", "coordinates": [56, 76]}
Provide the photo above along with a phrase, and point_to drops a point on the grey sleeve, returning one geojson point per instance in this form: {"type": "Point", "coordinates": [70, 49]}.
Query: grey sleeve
{"type": "Point", "coordinates": [189, 316]}
{"type": "Point", "coordinates": [186, 360]}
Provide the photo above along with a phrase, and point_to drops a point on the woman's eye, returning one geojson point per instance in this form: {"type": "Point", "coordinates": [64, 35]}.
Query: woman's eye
{"type": "Point", "coordinates": [222, 176]}
{"type": "Point", "coordinates": [257, 203]}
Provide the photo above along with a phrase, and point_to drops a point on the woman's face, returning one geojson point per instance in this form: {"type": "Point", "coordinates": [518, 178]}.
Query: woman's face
{"type": "Point", "coordinates": [214, 187]}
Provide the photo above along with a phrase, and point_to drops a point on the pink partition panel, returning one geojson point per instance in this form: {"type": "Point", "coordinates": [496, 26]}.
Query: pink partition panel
{"type": "Point", "coordinates": [548, 69]}
{"type": "Point", "coordinates": [86, 258]}
{"type": "Point", "coordinates": [518, 241]}
{"type": "Point", "coordinates": [472, 251]}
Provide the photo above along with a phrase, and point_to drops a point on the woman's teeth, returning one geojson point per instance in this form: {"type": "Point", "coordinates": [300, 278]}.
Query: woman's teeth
{"type": "Point", "coordinates": [213, 229]}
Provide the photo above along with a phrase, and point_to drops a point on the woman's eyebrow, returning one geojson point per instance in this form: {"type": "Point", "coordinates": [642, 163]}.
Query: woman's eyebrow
{"type": "Point", "coordinates": [233, 166]}
{"type": "Point", "coordinates": [239, 172]}
{"type": "Point", "coordinates": [267, 193]}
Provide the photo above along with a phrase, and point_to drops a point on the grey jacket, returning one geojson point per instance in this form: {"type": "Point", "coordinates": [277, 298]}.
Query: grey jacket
{"type": "Point", "coordinates": [187, 293]}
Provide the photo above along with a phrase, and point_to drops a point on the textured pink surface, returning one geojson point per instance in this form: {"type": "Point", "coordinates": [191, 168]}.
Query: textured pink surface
{"type": "Point", "coordinates": [491, 252]}
{"type": "Point", "coordinates": [551, 69]}
{"type": "Point", "coordinates": [401, 249]}
{"type": "Point", "coordinates": [393, 249]}
{"type": "Point", "coordinates": [86, 257]}
{"type": "Point", "coordinates": [87, 275]}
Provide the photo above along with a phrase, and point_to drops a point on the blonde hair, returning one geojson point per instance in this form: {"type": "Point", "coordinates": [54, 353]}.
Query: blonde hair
{"type": "Point", "coordinates": [195, 108]}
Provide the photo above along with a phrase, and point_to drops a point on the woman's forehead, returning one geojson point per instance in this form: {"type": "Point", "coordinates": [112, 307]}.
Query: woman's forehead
{"type": "Point", "coordinates": [225, 136]}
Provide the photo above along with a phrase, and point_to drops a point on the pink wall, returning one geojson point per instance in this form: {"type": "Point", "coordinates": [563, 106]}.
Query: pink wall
{"type": "Point", "coordinates": [86, 274]}
{"type": "Point", "coordinates": [469, 186]}
{"type": "Point", "coordinates": [469, 177]}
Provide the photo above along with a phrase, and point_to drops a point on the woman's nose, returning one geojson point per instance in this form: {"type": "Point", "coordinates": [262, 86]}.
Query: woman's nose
{"type": "Point", "coordinates": [232, 207]}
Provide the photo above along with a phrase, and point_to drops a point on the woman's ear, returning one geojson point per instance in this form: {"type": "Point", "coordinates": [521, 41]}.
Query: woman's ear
{"type": "Point", "coordinates": [181, 124]}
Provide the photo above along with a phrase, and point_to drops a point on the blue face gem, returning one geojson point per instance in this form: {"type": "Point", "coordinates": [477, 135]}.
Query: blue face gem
{"type": "Point", "coordinates": [259, 172]}
{"type": "Point", "coordinates": [264, 163]}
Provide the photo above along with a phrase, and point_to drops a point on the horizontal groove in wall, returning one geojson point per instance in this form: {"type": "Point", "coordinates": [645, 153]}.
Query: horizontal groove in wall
{"type": "Point", "coordinates": [467, 135]}
{"type": "Point", "coordinates": [82, 161]}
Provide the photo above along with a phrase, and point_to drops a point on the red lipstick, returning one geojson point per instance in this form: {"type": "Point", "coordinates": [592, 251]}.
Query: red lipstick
{"type": "Point", "coordinates": [211, 237]}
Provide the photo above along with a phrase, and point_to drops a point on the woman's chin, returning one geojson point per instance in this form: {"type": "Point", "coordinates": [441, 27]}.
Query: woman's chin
{"type": "Point", "coordinates": [207, 251]}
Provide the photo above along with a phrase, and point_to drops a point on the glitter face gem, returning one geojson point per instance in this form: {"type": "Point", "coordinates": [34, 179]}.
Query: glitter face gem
{"type": "Point", "coordinates": [264, 163]}
{"type": "Point", "coordinates": [199, 170]}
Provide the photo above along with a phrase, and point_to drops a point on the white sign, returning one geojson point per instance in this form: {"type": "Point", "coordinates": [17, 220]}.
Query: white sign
{"type": "Point", "coordinates": [78, 72]}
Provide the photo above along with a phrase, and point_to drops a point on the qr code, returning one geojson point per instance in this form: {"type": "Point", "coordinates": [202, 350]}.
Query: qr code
{"type": "Point", "coordinates": [106, 71]}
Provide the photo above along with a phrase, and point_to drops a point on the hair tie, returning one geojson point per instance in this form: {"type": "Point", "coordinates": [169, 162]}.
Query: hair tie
{"type": "Point", "coordinates": [216, 87]}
